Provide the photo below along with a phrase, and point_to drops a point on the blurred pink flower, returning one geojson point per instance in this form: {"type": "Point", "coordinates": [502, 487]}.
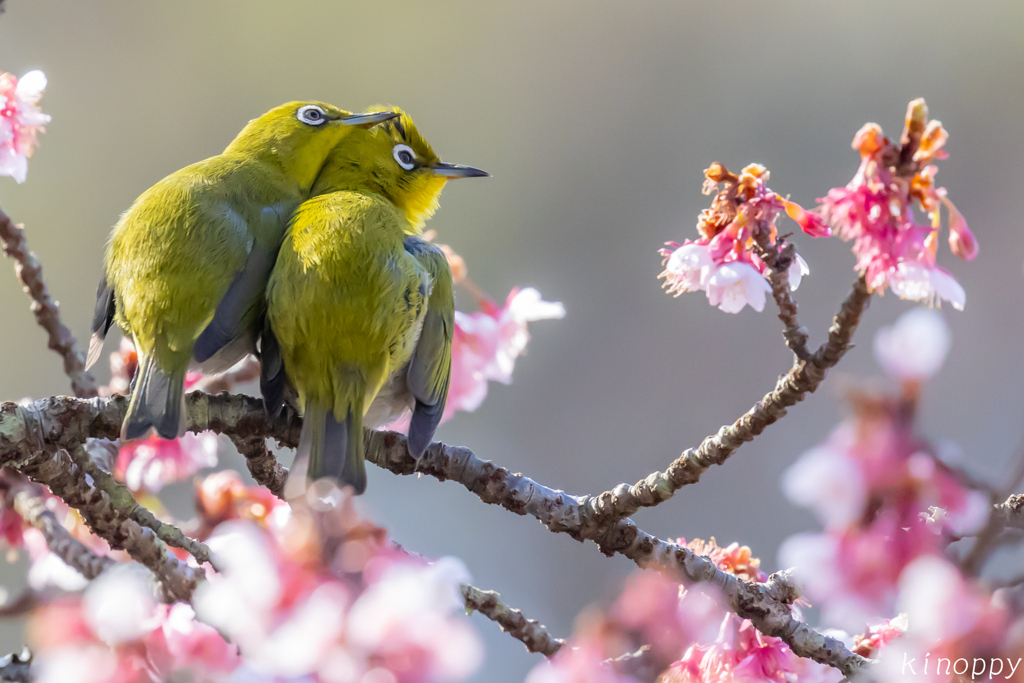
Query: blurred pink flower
{"type": "Point", "coordinates": [722, 261]}
{"type": "Point", "coordinates": [665, 615]}
{"type": "Point", "coordinates": [948, 619]}
{"type": "Point", "coordinates": [880, 635]}
{"type": "Point", "coordinates": [151, 463]}
{"type": "Point", "coordinates": [117, 633]}
{"type": "Point", "coordinates": [291, 618]}
{"type": "Point", "coordinates": [884, 501]}
{"type": "Point", "coordinates": [915, 347]}
{"type": "Point", "coordinates": [20, 121]}
{"type": "Point", "coordinates": [875, 211]}
{"type": "Point", "coordinates": [582, 663]}
{"type": "Point", "coordinates": [222, 496]}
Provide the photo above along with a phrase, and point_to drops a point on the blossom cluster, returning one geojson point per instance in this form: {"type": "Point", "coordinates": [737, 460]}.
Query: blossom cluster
{"type": "Point", "coordinates": [689, 635]}
{"type": "Point", "coordinates": [297, 597]}
{"type": "Point", "coordinates": [891, 504]}
{"type": "Point", "coordinates": [881, 491]}
{"type": "Point", "coordinates": [486, 344]}
{"type": "Point", "coordinates": [20, 121]}
{"type": "Point", "coordinates": [876, 211]}
{"type": "Point", "coordinates": [723, 261]}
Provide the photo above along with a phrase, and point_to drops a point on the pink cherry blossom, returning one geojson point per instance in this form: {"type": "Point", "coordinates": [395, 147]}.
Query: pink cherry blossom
{"type": "Point", "coordinates": [664, 615]}
{"type": "Point", "coordinates": [885, 502]}
{"type": "Point", "coordinates": [116, 632]}
{"type": "Point", "coordinates": [876, 212]}
{"type": "Point", "coordinates": [20, 121]}
{"type": "Point", "coordinates": [151, 463]}
{"type": "Point", "coordinates": [880, 635]}
{"type": "Point", "coordinates": [486, 344]}
{"type": "Point", "coordinates": [582, 663]}
{"type": "Point", "coordinates": [722, 261]}
{"type": "Point", "coordinates": [947, 619]}
{"type": "Point", "coordinates": [737, 284]}
{"type": "Point", "coordinates": [741, 653]}
{"type": "Point", "coordinates": [915, 347]}
{"type": "Point", "coordinates": [393, 614]}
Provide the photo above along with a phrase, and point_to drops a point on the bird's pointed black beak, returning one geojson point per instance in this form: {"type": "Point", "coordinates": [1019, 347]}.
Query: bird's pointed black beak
{"type": "Point", "coordinates": [452, 171]}
{"type": "Point", "coordinates": [367, 120]}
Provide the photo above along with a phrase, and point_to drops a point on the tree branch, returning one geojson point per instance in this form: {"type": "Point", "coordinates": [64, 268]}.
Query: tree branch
{"type": "Point", "coordinates": [32, 508]}
{"type": "Point", "coordinates": [123, 500]}
{"type": "Point", "coordinates": [766, 605]}
{"type": "Point", "coordinates": [49, 424]}
{"type": "Point", "coordinates": [107, 518]}
{"type": "Point", "coordinates": [262, 464]}
{"type": "Point", "coordinates": [803, 378]}
{"type": "Point", "coordinates": [46, 310]}
{"type": "Point", "coordinates": [531, 633]}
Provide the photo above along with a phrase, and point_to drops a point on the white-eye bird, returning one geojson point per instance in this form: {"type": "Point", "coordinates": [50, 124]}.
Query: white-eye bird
{"type": "Point", "coordinates": [360, 309]}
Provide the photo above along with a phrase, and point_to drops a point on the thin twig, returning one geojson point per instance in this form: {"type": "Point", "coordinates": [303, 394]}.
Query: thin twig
{"type": "Point", "coordinates": [791, 388]}
{"type": "Point", "coordinates": [639, 664]}
{"type": "Point", "coordinates": [122, 499]}
{"type": "Point", "coordinates": [779, 257]}
{"type": "Point", "coordinates": [21, 604]}
{"type": "Point", "coordinates": [32, 508]}
{"type": "Point", "coordinates": [262, 464]}
{"type": "Point", "coordinates": [532, 633]}
{"type": "Point", "coordinates": [1003, 515]}
{"type": "Point", "coordinates": [46, 310]}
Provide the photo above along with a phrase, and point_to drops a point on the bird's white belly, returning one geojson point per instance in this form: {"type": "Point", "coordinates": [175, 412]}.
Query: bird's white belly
{"type": "Point", "coordinates": [391, 402]}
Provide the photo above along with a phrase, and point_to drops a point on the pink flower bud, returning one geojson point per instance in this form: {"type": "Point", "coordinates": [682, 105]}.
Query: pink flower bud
{"type": "Point", "coordinates": [961, 240]}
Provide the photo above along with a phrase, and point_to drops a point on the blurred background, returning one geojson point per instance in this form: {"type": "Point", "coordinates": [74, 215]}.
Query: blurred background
{"type": "Point", "coordinates": [596, 119]}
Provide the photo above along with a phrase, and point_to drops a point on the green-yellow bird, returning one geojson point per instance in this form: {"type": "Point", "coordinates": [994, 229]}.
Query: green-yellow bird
{"type": "Point", "coordinates": [359, 308]}
{"type": "Point", "coordinates": [187, 265]}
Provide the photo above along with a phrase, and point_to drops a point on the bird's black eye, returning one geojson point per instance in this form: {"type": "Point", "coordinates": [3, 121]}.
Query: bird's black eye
{"type": "Point", "coordinates": [405, 157]}
{"type": "Point", "coordinates": [311, 114]}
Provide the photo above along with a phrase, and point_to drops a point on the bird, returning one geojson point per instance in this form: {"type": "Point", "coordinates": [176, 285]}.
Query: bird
{"type": "Point", "coordinates": [360, 308]}
{"type": "Point", "coordinates": [186, 265]}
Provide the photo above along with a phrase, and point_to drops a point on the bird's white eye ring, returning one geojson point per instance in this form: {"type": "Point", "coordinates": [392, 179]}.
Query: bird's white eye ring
{"type": "Point", "coordinates": [405, 157]}
{"type": "Point", "coordinates": [311, 114]}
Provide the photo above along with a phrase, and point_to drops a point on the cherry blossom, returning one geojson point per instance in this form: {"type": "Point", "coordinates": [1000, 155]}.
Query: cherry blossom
{"type": "Point", "coordinates": [151, 463]}
{"type": "Point", "coordinates": [881, 490]}
{"type": "Point", "coordinates": [117, 632]}
{"type": "Point", "coordinates": [582, 663]}
{"type": "Point", "coordinates": [20, 121]}
{"type": "Point", "coordinates": [915, 347]}
{"type": "Point", "coordinates": [291, 618]}
{"type": "Point", "coordinates": [875, 212]}
{"type": "Point", "coordinates": [947, 619]}
{"type": "Point", "coordinates": [722, 261]}
{"type": "Point", "coordinates": [486, 344]}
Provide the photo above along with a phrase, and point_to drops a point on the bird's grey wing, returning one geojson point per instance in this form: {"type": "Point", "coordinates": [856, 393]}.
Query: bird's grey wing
{"type": "Point", "coordinates": [430, 368]}
{"type": "Point", "coordinates": [273, 381]}
{"type": "Point", "coordinates": [232, 332]}
{"type": "Point", "coordinates": [102, 319]}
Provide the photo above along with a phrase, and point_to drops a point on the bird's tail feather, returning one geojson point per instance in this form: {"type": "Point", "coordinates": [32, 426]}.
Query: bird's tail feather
{"type": "Point", "coordinates": [330, 448]}
{"type": "Point", "coordinates": [157, 402]}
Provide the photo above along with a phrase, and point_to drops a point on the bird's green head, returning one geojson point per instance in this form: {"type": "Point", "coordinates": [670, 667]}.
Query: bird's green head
{"type": "Point", "coordinates": [394, 160]}
{"type": "Point", "coordinates": [298, 136]}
